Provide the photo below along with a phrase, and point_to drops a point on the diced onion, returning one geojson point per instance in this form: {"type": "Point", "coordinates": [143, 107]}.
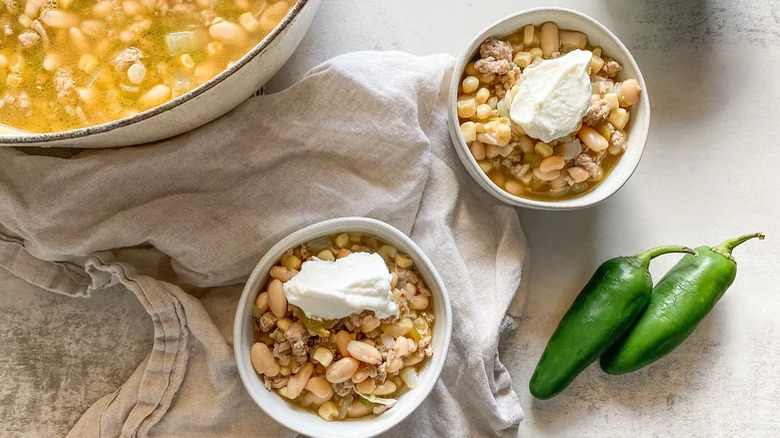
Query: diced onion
{"type": "Point", "coordinates": [571, 149]}
{"type": "Point", "coordinates": [187, 41]}
{"type": "Point", "coordinates": [409, 376]}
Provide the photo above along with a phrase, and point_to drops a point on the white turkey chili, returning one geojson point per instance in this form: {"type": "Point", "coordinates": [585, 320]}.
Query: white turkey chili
{"type": "Point", "coordinates": [544, 113]}
{"type": "Point", "coordinates": [67, 64]}
{"type": "Point", "coordinates": [353, 366]}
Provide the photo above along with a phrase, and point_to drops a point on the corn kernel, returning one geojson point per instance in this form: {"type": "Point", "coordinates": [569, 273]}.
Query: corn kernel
{"type": "Point", "coordinates": [596, 64]}
{"type": "Point", "coordinates": [619, 118]}
{"type": "Point", "coordinates": [470, 84]}
{"type": "Point", "coordinates": [528, 35]}
{"type": "Point", "coordinates": [522, 59]}
{"type": "Point", "coordinates": [483, 95]}
{"type": "Point", "coordinates": [291, 262]}
{"type": "Point", "coordinates": [572, 38]}
{"type": "Point", "coordinates": [326, 254]}
{"type": "Point", "coordinates": [535, 53]}
{"type": "Point", "coordinates": [496, 133]}
{"type": "Point", "coordinates": [214, 47]}
{"type": "Point", "coordinates": [483, 111]}
{"type": "Point", "coordinates": [342, 240]}
{"type": "Point", "coordinates": [469, 131]}
{"type": "Point", "coordinates": [403, 261]}
{"type": "Point", "coordinates": [323, 356]}
{"type": "Point", "coordinates": [186, 61]}
{"type": "Point", "coordinates": [596, 51]}
{"type": "Point", "coordinates": [604, 131]}
{"type": "Point", "coordinates": [612, 100]}
{"type": "Point", "coordinates": [328, 411]}
{"type": "Point", "coordinates": [543, 149]}
{"type": "Point", "coordinates": [87, 63]}
{"type": "Point", "coordinates": [485, 165]}
{"type": "Point", "coordinates": [284, 323]}
{"type": "Point", "coordinates": [467, 108]}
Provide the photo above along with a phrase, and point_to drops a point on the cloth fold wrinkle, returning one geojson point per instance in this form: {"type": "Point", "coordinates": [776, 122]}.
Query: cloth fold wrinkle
{"type": "Point", "coordinates": [168, 360]}
{"type": "Point", "coordinates": [363, 134]}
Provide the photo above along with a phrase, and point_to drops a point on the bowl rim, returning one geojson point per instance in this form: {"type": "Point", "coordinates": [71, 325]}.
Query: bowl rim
{"type": "Point", "coordinates": [48, 137]}
{"type": "Point", "coordinates": [472, 166]}
{"type": "Point", "coordinates": [324, 228]}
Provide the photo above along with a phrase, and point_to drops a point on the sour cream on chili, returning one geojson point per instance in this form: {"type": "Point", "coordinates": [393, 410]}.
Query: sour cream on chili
{"type": "Point", "coordinates": [335, 289]}
{"type": "Point", "coordinates": [553, 96]}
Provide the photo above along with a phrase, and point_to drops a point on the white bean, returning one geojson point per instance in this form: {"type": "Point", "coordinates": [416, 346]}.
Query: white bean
{"type": "Point", "coordinates": [157, 95]}
{"type": "Point", "coordinates": [229, 33]}
{"type": "Point", "coordinates": [364, 352]}
{"type": "Point", "coordinates": [298, 381]}
{"type": "Point", "coordinates": [277, 301]}
{"type": "Point", "coordinates": [263, 360]}
{"type": "Point", "coordinates": [341, 370]}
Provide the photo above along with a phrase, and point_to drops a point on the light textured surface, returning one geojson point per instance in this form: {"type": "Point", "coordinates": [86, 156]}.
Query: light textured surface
{"type": "Point", "coordinates": [709, 172]}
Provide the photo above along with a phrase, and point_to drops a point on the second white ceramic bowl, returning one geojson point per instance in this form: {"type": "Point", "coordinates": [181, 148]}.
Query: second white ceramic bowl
{"type": "Point", "coordinates": [306, 422]}
{"type": "Point", "coordinates": [598, 35]}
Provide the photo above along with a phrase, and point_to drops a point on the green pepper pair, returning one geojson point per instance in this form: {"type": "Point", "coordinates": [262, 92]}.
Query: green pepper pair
{"type": "Point", "coordinates": [621, 318]}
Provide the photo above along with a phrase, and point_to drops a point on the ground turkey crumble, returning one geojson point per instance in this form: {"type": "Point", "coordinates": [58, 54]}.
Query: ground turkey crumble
{"type": "Point", "coordinates": [126, 58]}
{"type": "Point", "coordinates": [28, 39]}
{"type": "Point", "coordinates": [618, 140]}
{"type": "Point", "coordinates": [598, 113]}
{"type": "Point", "coordinates": [63, 82]}
{"type": "Point", "coordinates": [586, 162]}
{"type": "Point", "coordinates": [496, 58]}
{"type": "Point", "coordinates": [611, 67]}
{"type": "Point", "coordinates": [267, 322]}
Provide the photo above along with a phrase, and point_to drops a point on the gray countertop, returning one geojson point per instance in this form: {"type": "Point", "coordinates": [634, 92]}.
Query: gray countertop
{"type": "Point", "coordinates": [710, 172]}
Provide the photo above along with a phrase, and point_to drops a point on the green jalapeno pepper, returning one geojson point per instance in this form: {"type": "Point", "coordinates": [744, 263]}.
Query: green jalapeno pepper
{"type": "Point", "coordinates": [610, 302]}
{"type": "Point", "coordinates": [679, 302]}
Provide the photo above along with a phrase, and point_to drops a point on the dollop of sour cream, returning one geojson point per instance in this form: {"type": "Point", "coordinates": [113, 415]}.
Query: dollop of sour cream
{"type": "Point", "coordinates": [553, 96]}
{"type": "Point", "coordinates": [335, 289]}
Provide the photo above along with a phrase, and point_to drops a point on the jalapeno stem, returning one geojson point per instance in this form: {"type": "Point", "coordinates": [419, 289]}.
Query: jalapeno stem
{"type": "Point", "coordinates": [652, 253]}
{"type": "Point", "coordinates": [726, 247]}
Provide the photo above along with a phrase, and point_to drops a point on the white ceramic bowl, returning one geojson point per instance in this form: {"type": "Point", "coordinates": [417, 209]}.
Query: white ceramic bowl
{"type": "Point", "coordinates": [197, 107]}
{"type": "Point", "coordinates": [598, 35]}
{"type": "Point", "coordinates": [306, 422]}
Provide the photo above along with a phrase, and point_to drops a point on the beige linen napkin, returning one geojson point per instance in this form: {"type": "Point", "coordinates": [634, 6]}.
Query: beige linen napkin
{"type": "Point", "coordinates": [181, 223]}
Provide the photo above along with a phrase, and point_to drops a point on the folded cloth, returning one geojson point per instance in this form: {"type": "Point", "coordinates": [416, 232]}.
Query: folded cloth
{"type": "Point", "coordinates": [364, 134]}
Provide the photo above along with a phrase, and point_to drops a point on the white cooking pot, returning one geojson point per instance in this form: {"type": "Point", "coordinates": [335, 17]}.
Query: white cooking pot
{"type": "Point", "coordinates": [203, 104]}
